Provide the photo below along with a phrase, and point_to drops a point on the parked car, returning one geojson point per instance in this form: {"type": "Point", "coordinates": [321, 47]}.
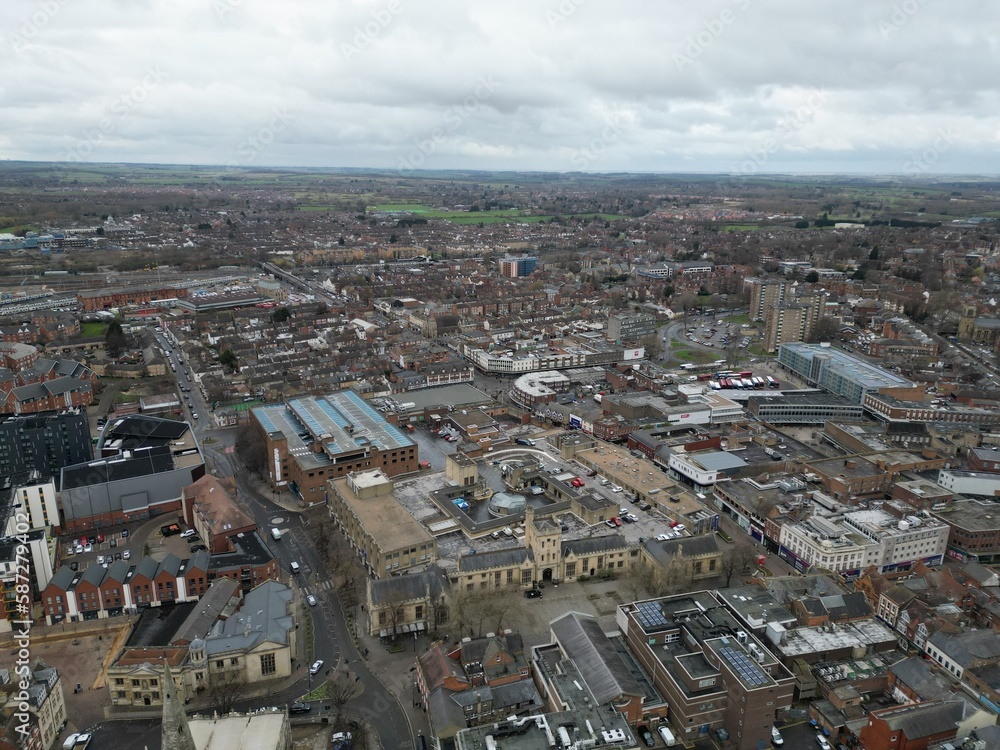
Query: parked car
{"type": "Point", "coordinates": [532, 594]}
{"type": "Point", "coordinates": [299, 708]}
{"type": "Point", "coordinates": [316, 666]}
{"type": "Point", "coordinates": [126, 555]}
{"type": "Point", "coordinates": [776, 739]}
{"type": "Point", "coordinates": [647, 737]}
{"type": "Point", "coordinates": [576, 482]}
{"type": "Point", "coordinates": [88, 547]}
{"type": "Point", "coordinates": [592, 473]}
{"type": "Point", "coordinates": [188, 533]}
{"type": "Point", "coordinates": [124, 533]}
{"type": "Point", "coordinates": [823, 742]}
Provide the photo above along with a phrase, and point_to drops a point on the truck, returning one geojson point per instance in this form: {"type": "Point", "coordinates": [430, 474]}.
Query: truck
{"type": "Point", "coordinates": [411, 428]}
{"type": "Point", "coordinates": [276, 533]}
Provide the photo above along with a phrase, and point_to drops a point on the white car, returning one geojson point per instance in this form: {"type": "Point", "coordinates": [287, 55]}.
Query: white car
{"type": "Point", "coordinates": [823, 743]}
{"type": "Point", "coordinates": [316, 666]}
{"type": "Point", "coordinates": [88, 547]}
{"type": "Point", "coordinates": [312, 600]}
{"type": "Point", "coordinates": [616, 488]}
{"type": "Point", "coordinates": [126, 555]}
{"type": "Point", "coordinates": [776, 739]}
{"type": "Point", "coordinates": [189, 532]}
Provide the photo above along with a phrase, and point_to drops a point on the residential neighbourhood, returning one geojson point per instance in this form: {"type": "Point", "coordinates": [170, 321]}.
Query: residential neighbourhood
{"type": "Point", "coordinates": [574, 482]}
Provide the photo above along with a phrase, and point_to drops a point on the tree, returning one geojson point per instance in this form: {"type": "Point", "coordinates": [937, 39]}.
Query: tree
{"type": "Point", "coordinates": [737, 558]}
{"type": "Point", "coordinates": [674, 577]}
{"type": "Point", "coordinates": [281, 315]}
{"type": "Point", "coordinates": [229, 360]}
{"type": "Point", "coordinates": [226, 688]}
{"type": "Point", "coordinates": [251, 449]}
{"type": "Point", "coordinates": [114, 339]}
{"type": "Point", "coordinates": [637, 580]}
{"type": "Point", "coordinates": [321, 309]}
{"type": "Point", "coordinates": [486, 610]}
{"type": "Point", "coordinates": [825, 329]}
{"type": "Point", "coordinates": [812, 277]}
{"type": "Point", "coordinates": [341, 689]}
{"type": "Point", "coordinates": [653, 345]}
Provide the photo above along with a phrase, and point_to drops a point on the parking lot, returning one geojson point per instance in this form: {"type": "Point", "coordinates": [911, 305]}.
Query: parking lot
{"type": "Point", "coordinates": [127, 542]}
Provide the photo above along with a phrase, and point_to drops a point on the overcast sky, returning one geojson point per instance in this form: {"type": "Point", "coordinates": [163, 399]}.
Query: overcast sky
{"type": "Point", "coordinates": [744, 86]}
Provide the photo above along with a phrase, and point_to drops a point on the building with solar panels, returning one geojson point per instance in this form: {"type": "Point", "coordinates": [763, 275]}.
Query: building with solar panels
{"type": "Point", "coordinates": [712, 672]}
{"type": "Point", "coordinates": [313, 439]}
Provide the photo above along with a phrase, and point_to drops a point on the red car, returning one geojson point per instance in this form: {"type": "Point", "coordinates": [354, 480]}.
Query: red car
{"type": "Point", "coordinates": [576, 482]}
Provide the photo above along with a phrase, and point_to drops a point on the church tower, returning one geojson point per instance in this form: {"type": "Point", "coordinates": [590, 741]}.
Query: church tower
{"type": "Point", "coordinates": [176, 734]}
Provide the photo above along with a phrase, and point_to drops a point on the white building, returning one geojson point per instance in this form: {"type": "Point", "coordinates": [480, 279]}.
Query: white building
{"type": "Point", "coordinates": [857, 539]}
{"type": "Point", "coordinates": [969, 482]}
{"type": "Point", "coordinates": [827, 543]}
{"type": "Point", "coordinates": [902, 541]}
{"type": "Point", "coordinates": [38, 500]}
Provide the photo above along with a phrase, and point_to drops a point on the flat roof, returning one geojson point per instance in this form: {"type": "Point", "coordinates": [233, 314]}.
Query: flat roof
{"type": "Point", "coordinates": [971, 515]}
{"type": "Point", "coordinates": [842, 363]}
{"type": "Point", "coordinates": [802, 641]}
{"type": "Point", "coordinates": [383, 518]}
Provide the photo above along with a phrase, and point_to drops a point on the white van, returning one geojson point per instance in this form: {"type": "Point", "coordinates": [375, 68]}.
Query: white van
{"type": "Point", "coordinates": [294, 566]}
{"type": "Point", "coordinates": [667, 736]}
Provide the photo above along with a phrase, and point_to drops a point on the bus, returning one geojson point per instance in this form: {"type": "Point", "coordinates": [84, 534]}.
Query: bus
{"type": "Point", "coordinates": [771, 382]}
{"type": "Point", "coordinates": [746, 374]}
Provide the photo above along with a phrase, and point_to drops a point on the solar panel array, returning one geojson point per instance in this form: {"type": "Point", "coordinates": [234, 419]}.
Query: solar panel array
{"type": "Point", "coordinates": [650, 615]}
{"type": "Point", "coordinates": [749, 672]}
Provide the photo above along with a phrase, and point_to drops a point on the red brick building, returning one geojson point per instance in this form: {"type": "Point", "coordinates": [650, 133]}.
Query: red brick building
{"type": "Point", "coordinates": [914, 726]}
{"type": "Point", "coordinates": [105, 299]}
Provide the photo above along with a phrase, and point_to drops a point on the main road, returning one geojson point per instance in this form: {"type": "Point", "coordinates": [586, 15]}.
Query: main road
{"type": "Point", "coordinates": [332, 640]}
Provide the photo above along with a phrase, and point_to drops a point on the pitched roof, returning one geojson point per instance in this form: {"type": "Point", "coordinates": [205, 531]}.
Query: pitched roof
{"type": "Point", "coordinates": [581, 639]}
{"type": "Point", "coordinates": [594, 545]}
{"type": "Point", "coordinates": [501, 558]}
{"type": "Point", "coordinates": [924, 719]}
{"type": "Point", "coordinates": [965, 648]}
{"type": "Point", "coordinates": [431, 582]}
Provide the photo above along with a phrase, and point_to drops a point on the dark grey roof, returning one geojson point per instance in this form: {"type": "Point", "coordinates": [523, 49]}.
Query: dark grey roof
{"type": "Point", "coordinates": [692, 546]}
{"type": "Point", "coordinates": [446, 715]}
{"type": "Point", "coordinates": [516, 693]}
{"type": "Point", "coordinates": [169, 564]}
{"type": "Point", "coordinates": [249, 549]}
{"type": "Point", "coordinates": [502, 558]}
{"type": "Point", "coordinates": [146, 567]}
{"type": "Point", "coordinates": [431, 582]}
{"type": "Point", "coordinates": [62, 578]}
{"type": "Point", "coordinates": [926, 719]}
{"type": "Point", "coordinates": [143, 463]}
{"type": "Point", "coordinates": [581, 639]}
{"type": "Point", "coordinates": [473, 651]}
{"type": "Point", "coordinates": [157, 626]}
{"type": "Point", "coordinates": [964, 648]}
{"type": "Point", "coordinates": [93, 574]}
{"type": "Point", "coordinates": [118, 571]}
{"type": "Point", "coordinates": [137, 431]}
{"type": "Point", "coordinates": [918, 675]}
{"type": "Point", "coordinates": [594, 544]}
{"type": "Point", "coordinates": [207, 610]}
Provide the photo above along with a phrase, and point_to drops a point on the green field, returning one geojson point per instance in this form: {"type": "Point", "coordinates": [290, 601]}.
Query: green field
{"type": "Point", "coordinates": [741, 227]}
{"type": "Point", "coordinates": [93, 329]}
{"type": "Point", "coordinates": [477, 217]}
{"type": "Point", "coordinates": [695, 356]}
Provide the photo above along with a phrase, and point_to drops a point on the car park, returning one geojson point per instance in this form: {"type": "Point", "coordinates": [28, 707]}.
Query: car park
{"type": "Point", "coordinates": [316, 666]}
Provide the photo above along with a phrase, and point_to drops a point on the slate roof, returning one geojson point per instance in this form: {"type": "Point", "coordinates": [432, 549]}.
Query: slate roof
{"type": "Point", "coordinates": [918, 675]}
{"type": "Point", "coordinates": [206, 611]}
{"type": "Point", "coordinates": [925, 719]}
{"type": "Point", "coordinates": [115, 468]}
{"type": "Point", "coordinates": [502, 558]}
{"type": "Point", "coordinates": [965, 648]}
{"type": "Point", "coordinates": [264, 617]}
{"type": "Point", "coordinates": [437, 667]}
{"type": "Point", "coordinates": [594, 545]}
{"type": "Point", "coordinates": [693, 546]}
{"type": "Point", "coordinates": [581, 639]}
{"type": "Point", "coordinates": [431, 581]}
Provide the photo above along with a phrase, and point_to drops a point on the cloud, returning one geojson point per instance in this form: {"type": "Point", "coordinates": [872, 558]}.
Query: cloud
{"type": "Point", "coordinates": [684, 86]}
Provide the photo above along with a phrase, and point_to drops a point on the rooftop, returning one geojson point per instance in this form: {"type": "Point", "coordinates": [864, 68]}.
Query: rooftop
{"type": "Point", "coordinates": [848, 366]}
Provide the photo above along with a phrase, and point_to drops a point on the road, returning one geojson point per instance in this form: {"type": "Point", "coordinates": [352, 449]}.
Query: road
{"type": "Point", "coordinates": [332, 640]}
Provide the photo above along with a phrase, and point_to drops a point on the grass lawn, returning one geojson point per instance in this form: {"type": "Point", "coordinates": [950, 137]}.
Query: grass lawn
{"type": "Point", "coordinates": [93, 329]}
{"type": "Point", "coordinates": [738, 319]}
{"type": "Point", "coordinates": [757, 350]}
{"type": "Point", "coordinates": [695, 356]}
{"type": "Point", "coordinates": [740, 227]}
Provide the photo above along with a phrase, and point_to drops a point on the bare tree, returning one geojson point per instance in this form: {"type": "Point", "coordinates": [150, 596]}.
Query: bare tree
{"type": "Point", "coordinates": [826, 329]}
{"type": "Point", "coordinates": [341, 689]}
{"type": "Point", "coordinates": [485, 610]}
{"type": "Point", "coordinates": [226, 688]}
{"type": "Point", "coordinates": [737, 558]}
{"type": "Point", "coordinates": [674, 577]}
{"type": "Point", "coordinates": [251, 449]}
{"type": "Point", "coordinates": [638, 579]}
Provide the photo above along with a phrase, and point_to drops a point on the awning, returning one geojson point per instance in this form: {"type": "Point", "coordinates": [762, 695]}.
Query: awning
{"type": "Point", "coordinates": [382, 633]}
{"type": "Point", "coordinates": [421, 626]}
